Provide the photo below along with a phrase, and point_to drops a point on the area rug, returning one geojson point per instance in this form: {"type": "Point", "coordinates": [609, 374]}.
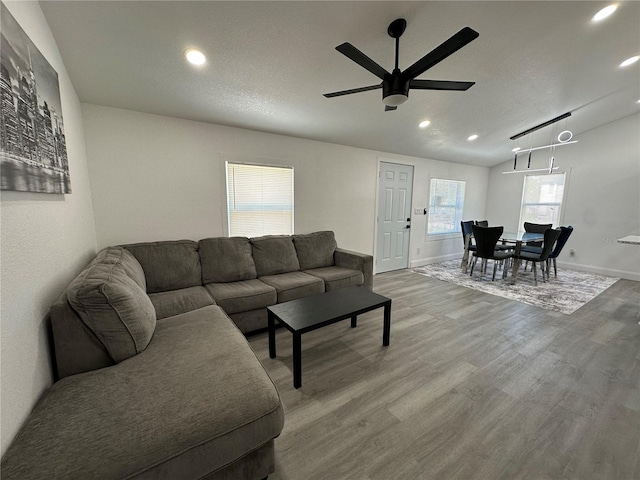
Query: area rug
{"type": "Point", "coordinates": [565, 294]}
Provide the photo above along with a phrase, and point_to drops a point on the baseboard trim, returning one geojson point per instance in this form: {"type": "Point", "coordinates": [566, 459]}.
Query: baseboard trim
{"type": "Point", "coordinates": [609, 272]}
{"type": "Point", "coordinates": [429, 260]}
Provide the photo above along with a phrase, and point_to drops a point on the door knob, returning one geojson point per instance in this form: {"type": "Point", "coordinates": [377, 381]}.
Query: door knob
{"type": "Point", "coordinates": [408, 226]}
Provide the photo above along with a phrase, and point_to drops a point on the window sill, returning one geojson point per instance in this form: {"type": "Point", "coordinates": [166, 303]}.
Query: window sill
{"type": "Point", "coordinates": [437, 237]}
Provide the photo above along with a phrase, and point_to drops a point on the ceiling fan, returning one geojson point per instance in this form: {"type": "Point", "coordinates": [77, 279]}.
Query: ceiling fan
{"type": "Point", "coordinates": [396, 85]}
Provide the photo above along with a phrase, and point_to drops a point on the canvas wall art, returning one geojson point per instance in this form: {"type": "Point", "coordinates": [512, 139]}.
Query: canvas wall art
{"type": "Point", "coordinates": [33, 151]}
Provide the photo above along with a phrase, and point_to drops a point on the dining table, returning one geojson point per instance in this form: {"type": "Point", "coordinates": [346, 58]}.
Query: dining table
{"type": "Point", "coordinates": [515, 238]}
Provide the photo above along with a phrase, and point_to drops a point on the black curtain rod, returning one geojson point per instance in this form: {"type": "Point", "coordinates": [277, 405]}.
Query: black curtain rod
{"type": "Point", "coordinates": [542, 125]}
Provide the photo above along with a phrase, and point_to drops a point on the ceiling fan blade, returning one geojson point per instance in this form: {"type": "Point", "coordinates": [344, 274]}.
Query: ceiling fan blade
{"type": "Point", "coordinates": [440, 85]}
{"type": "Point", "coordinates": [361, 59]}
{"type": "Point", "coordinates": [387, 108]}
{"type": "Point", "coordinates": [354, 90]}
{"type": "Point", "coordinates": [441, 52]}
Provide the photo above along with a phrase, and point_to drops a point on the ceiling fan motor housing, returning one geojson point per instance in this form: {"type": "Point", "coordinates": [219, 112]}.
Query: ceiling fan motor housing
{"type": "Point", "coordinates": [395, 89]}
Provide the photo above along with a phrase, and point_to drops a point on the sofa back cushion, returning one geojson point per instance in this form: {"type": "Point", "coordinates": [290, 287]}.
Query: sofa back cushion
{"type": "Point", "coordinates": [127, 261]}
{"type": "Point", "coordinates": [274, 254]}
{"type": "Point", "coordinates": [226, 260]}
{"type": "Point", "coordinates": [168, 265]}
{"type": "Point", "coordinates": [315, 250]}
{"type": "Point", "coordinates": [114, 307]}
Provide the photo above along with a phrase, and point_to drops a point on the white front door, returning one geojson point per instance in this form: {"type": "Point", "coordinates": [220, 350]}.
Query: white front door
{"type": "Point", "coordinates": [395, 185]}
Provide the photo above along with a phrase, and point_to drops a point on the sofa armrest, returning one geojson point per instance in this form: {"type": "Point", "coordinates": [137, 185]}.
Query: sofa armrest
{"type": "Point", "coordinates": [356, 261]}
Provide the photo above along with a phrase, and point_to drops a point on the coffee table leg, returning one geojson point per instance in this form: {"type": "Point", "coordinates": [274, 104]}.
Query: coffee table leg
{"type": "Point", "coordinates": [386, 333]}
{"type": "Point", "coordinates": [297, 360]}
{"type": "Point", "coordinates": [354, 321]}
{"type": "Point", "coordinates": [272, 335]}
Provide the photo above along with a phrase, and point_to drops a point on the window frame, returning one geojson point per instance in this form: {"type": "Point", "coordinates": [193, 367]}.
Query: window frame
{"type": "Point", "coordinates": [459, 210]}
{"type": "Point", "coordinates": [227, 210]}
{"type": "Point", "coordinates": [560, 205]}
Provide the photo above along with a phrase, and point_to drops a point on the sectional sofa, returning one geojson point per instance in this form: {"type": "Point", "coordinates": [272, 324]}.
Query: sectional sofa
{"type": "Point", "coordinates": [156, 379]}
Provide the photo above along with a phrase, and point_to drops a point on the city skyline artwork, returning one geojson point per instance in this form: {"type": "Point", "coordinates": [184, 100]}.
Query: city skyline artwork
{"type": "Point", "coordinates": [33, 151]}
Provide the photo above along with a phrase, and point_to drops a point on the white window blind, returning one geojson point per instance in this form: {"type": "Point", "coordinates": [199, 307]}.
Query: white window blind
{"type": "Point", "coordinates": [542, 198]}
{"type": "Point", "coordinates": [446, 202]}
{"type": "Point", "coordinates": [259, 200]}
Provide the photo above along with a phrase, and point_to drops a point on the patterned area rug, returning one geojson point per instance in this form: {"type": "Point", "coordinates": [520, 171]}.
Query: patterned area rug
{"type": "Point", "coordinates": [564, 294]}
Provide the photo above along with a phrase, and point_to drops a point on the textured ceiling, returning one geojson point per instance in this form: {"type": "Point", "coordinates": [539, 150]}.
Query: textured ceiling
{"type": "Point", "coordinates": [270, 62]}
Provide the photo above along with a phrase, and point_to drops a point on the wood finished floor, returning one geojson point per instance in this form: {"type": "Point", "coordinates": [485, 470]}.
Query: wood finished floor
{"type": "Point", "coordinates": [472, 386]}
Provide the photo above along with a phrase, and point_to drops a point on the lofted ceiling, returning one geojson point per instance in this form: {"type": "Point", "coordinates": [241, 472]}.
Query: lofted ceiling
{"type": "Point", "coordinates": [268, 64]}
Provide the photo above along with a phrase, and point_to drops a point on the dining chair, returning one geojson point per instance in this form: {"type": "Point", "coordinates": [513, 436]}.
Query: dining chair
{"type": "Point", "coordinates": [562, 240]}
{"type": "Point", "coordinates": [550, 237]}
{"type": "Point", "coordinates": [485, 223]}
{"type": "Point", "coordinates": [486, 239]}
{"type": "Point", "coordinates": [465, 228]}
{"type": "Point", "coordinates": [536, 228]}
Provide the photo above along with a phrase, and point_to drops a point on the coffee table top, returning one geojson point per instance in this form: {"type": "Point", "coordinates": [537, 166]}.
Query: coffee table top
{"type": "Point", "coordinates": [312, 312]}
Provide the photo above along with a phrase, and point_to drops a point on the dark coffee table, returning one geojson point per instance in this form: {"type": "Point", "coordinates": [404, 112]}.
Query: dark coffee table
{"type": "Point", "coordinates": [310, 313]}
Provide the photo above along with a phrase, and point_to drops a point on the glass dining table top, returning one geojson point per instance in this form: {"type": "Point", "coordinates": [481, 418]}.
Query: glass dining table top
{"type": "Point", "coordinates": [521, 237]}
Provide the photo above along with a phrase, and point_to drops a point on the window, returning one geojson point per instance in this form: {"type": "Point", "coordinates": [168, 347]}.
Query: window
{"type": "Point", "coordinates": [542, 198]}
{"type": "Point", "coordinates": [445, 206]}
{"type": "Point", "coordinates": [259, 200]}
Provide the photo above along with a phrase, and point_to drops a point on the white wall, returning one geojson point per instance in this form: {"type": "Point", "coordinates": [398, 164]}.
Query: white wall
{"type": "Point", "coordinates": [157, 177]}
{"type": "Point", "coordinates": [602, 198]}
{"type": "Point", "coordinates": [46, 239]}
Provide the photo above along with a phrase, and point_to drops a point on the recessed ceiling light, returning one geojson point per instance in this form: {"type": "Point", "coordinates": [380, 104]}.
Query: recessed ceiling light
{"type": "Point", "coordinates": [515, 149]}
{"type": "Point", "coordinates": [604, 13]}
{"type": "Point", "coordinates": [195, 57]}
{"type": "Point", "coordinates": [424, 124]}
{"type": "Point", "coordinates": [630, 61]}
{"type": "Point", "coordinates": [472, 137]}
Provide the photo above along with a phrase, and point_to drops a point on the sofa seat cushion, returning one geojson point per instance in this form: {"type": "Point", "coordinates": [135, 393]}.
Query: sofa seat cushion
{"type": "Point", "coordinates": [168, 265]}
{"type": "Point", "coordinates": [226, 260]}
{"type": "Point", "coordinates": [194, 401]}
{"type": "Point", "coordinates": [315, 250]}
{"type": "Point", "coordinates": [274, 254]}
{"type": "Point", "coordinates": [114, 308]}
{"type": "Point", "coordinates": [175, 302]}
{"type": "Point", "coordinates": [294, 285]}
{"type": "Point", "coordinates": [338, 277]}
{"type": "Point", "coordinates": [242, 296]}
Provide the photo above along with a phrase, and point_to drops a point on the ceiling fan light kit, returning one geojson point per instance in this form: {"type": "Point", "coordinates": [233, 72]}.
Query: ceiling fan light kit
{"type": "Point", "coordinates": [396, 85]}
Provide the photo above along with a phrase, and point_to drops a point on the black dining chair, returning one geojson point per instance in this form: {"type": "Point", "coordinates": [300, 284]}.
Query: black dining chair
{"type": "Point", "coordinates": [560, 243]}
{"type": "Point", "coordinates": [535, 228]}
{"type": "Point", "coordinates": [550, 237]}
{"type": "Point", "coordinates": [465, 227]}
{"type": "Point", "coordinates": [486, 239]}
{"type": "Point", "coordinates": [485, 223]}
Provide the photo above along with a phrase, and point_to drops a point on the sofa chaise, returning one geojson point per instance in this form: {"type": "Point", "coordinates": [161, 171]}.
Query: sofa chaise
{"type": "Point", "coordinates": [156, 379]}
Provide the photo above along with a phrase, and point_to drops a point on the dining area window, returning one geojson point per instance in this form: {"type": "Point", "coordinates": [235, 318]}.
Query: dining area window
{"type": "Point", "coordinates": [542, 198]}
{"type": "Point", "coordinates": [446, 203]}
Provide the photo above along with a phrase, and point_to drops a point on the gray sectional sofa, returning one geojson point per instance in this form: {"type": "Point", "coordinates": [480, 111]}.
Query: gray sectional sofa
{"type": "Point", "coordinates": [156, 377]}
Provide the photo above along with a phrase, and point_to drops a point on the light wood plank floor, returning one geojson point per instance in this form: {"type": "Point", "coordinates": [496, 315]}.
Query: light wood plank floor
{"type": "Point", "coordinates": [472, 386]}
